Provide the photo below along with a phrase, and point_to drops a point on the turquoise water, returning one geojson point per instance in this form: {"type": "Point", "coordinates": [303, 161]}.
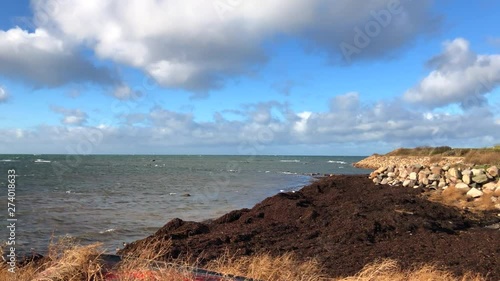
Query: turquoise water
{"type": "Point", "coordinates": [116, 199]}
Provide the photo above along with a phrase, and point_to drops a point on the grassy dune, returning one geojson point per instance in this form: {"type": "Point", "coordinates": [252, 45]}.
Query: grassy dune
{"type": "Point", "coordinates": [477, 156]}
{"type": "Point", "coordinates": [67, 261]}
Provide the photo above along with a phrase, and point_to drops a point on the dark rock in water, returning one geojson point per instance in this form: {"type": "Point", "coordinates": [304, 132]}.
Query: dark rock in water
{"type": "Point", "coordinates": [186, 195]}
{"type": "Point", "coordinates": [345, 222]}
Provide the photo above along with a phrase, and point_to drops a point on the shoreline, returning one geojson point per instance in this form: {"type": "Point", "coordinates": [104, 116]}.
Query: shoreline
{"type": "Point", "coordinates": [347, 222]}
{"type": "Point", "coordinates": [344, 222]}
{"type": "Point", "coordinates": [376, 161]}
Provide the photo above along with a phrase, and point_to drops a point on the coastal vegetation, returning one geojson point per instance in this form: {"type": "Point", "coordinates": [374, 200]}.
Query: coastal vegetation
{"type": "Point", "coordinates": [477, 156]}
{"type": "Point", "coordinates": [371, 232]}
{"type": "Point", "coordinates": [68, 261]}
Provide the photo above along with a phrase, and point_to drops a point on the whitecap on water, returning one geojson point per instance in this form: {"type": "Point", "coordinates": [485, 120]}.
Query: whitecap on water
{"type": "Point", "coordinates": [337, 162]}
{"type": "Point", "coordinates": [290, 161]}
{"type": "Point", "coordinates": [107, 231]}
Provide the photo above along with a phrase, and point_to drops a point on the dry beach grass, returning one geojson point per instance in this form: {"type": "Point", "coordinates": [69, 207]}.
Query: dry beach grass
{"type": "Point", "coordinates": [82, 263]}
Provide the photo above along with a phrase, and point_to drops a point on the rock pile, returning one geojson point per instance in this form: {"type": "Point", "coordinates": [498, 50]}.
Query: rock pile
{"type": "Point", "coordinates": [375, 161]}
{"type": "Point", "coordinates": [475, 181]}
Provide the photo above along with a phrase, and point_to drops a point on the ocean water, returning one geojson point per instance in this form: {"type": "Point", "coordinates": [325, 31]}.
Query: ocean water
{"type": "Point", "coordinates": [116, 199]}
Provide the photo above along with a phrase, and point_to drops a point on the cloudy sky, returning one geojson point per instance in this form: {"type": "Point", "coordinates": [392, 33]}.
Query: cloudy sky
{"type": "Point", "coordinates": [313, 77]}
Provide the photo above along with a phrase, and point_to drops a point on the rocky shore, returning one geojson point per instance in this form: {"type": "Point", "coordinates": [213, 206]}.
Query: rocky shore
{"type": "Point", "coordinates": [346, 222]}
{"type": "Point", "coordinates": [475, 183]}
{"type": "Point", "coordinates": [376, 161]}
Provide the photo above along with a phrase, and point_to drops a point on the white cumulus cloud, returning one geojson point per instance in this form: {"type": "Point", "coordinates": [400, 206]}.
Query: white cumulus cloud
{"type": "Point", "coordinates": [460, 76]}
{"type": "Point", "coordinates": [263, 128]}
{"type": "Point", "coordinates": [71, 116]}
{"type": "Point", "coordinates": [196, 45]}
{"type": "Point", "coordinates": [42, 59]}
{"type": "Point", "coordinates": [124, 92]}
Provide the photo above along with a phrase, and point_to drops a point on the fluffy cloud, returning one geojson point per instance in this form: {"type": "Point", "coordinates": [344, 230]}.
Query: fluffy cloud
{"type": "Point", "coordinates": [42, 59]}
{"type": "Point", "coordinates": [263, 128]}
{"type": "Point", "coordinates": [3, 95]}
{"type": "Point", "coordinates": [74, 117]}
{"type": "Point", "coordinates": [196, 45]}
{"type": "Point", "coordinates": [460, 76]}
{"type": "Point", "coordinates": [124, 92]}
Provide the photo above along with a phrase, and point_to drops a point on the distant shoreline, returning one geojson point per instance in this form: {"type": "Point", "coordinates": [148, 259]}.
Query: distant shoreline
{"type": "Point", "coordinates": [442, 155]}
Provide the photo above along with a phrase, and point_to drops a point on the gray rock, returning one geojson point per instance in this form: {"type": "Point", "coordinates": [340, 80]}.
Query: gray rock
{"type": "Point", "coordinates": [480, 178]}
{"type": "Point", "coordinates": [446, 168]}
{"type": "Point", "coordinates": [474, 193]}
{"type": "Point", "coordinates": [454, 172]}
{"type": "Point", "coordinates": [413, 176]}
{"type": "Point", "coordinates": [441, 184]}
{"type": "Point", "coordinates": [385, 181]}
{"type": "Point", "coordinates": [391, 174]}
{"type": "Point", "coordinates": [466, 172]}
{"type": "Point", "coordinates": [466, 179]}
{"type": "Point", "coordinates": [434, 177]}
{"type": "Point", "coordinates": [416, 168]}
{"type": "Point", "coordinates": [376, 180]}
{"type": "Point", "coordinates": [477, 172]}
{"type": "Point", "coordinates": [406, 183]}
{"type": "Point", "coordinates": [462, 186]}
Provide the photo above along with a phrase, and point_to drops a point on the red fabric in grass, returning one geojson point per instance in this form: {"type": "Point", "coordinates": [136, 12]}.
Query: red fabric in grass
{"type": "Point", "coordinates": [152, 276]}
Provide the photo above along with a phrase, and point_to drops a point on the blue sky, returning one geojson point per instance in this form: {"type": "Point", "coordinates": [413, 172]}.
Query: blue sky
{"type": "Point", "coordinates": [236, 77]}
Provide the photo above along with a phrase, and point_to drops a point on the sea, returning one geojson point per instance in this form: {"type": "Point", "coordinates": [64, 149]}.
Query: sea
{"type": "Point", "coordinates": [116, 199]}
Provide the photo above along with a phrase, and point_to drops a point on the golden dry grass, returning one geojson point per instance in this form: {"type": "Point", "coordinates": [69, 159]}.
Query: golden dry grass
{"type": "Point", "coordinates": [389, 270]}
{"type": "Point", "coordinates": [81, 263]}
{"type": "Point", "coordinates": [267, 267]}
{"type": "Point", "coordinates": [476, 156]}
{"type": "Point", "coordinates": [458, 198]}
{"type": "Point", "coordinates": [483, 157]}
{"type": "Point", "coordinates": [452, 196]}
